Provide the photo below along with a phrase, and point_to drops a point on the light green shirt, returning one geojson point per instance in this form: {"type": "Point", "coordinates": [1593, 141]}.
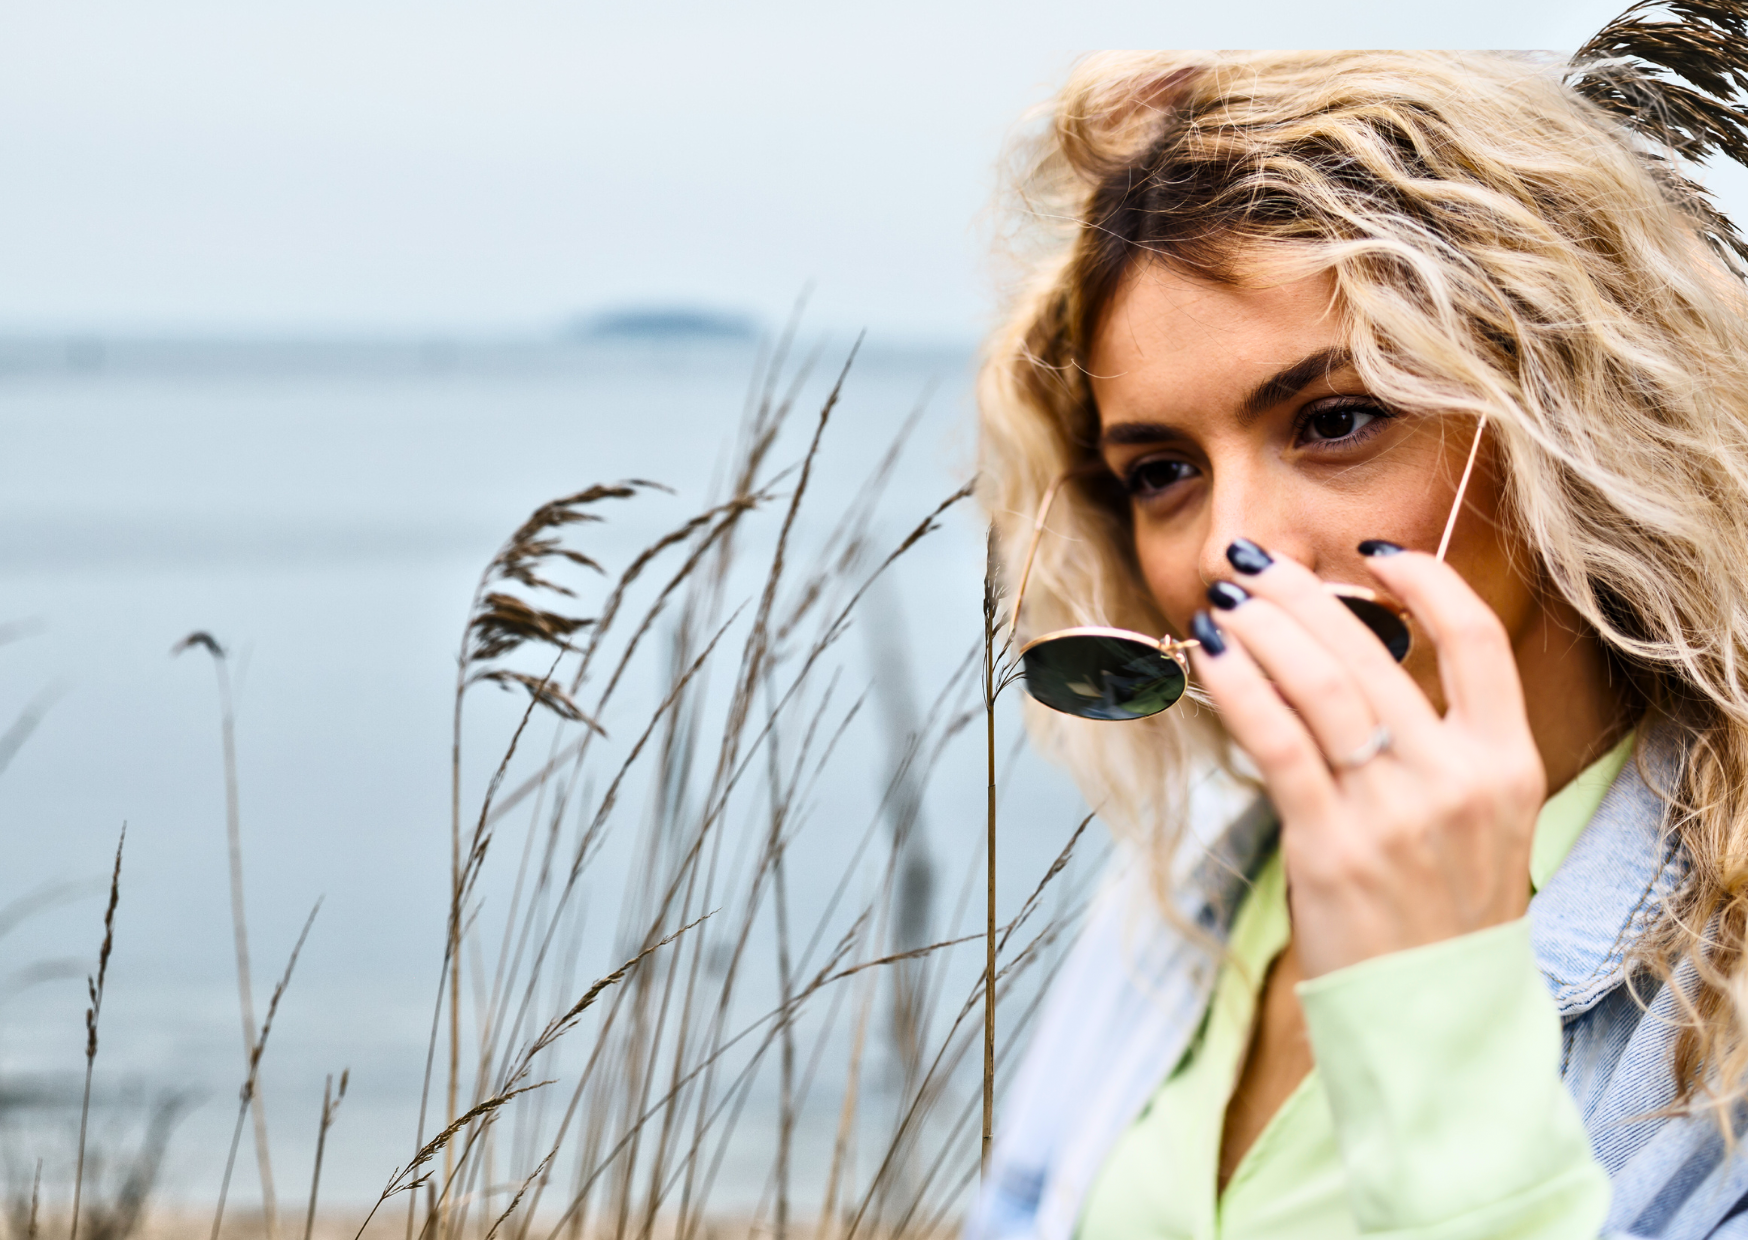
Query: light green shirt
{"type": "Point", "coordinates": [1440, 1053]}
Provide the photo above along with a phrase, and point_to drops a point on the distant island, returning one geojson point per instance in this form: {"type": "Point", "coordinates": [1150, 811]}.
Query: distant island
{"type": "Point", "coordinates": [666, 323]}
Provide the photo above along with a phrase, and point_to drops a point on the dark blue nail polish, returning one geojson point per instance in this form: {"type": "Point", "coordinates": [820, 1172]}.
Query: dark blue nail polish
{"type": "Point", "coordinates": [1247, 557]}
{"type": "Point", "coordinates": [1377, 546]}
{"type": "Point", "coordinates": [1226, 596]}
{"type": "Point", "coordinates": [1202, 627]}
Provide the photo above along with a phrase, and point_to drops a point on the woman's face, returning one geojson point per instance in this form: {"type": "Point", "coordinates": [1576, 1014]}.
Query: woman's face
{"type": "Point", "coordinates": [1233, 413]}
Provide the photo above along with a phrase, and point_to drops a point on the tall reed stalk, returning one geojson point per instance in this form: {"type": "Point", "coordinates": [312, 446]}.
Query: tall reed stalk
{"type": "Point", "coordinates": [94, 986]}
{"type": "Point", "coordinates": [990, 687]}
{"type": "Point", "coordinates": [330, 1107]}
{"type": "Point", "coordinates": [246, 1098]}
{"type": "Point", "coordinates": [239, 918]}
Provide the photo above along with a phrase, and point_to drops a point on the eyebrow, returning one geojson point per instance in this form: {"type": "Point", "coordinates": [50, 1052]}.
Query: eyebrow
{"type": "Point", "coordinates": [1283, 385]}
{"type": "Point", "coordinates": [1287, 383]}
{"type": "Point", "coordinates": [1139, 433]}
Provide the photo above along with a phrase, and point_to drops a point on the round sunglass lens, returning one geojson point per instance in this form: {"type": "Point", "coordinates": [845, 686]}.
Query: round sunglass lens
{"type": "Point", "coordinates": [1390, 627]}
{"type": "Point", "coordinates": [1098, 677]}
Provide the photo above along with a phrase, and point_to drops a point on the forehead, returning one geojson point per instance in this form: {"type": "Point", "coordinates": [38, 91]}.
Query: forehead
{"type": "Point", "coordinates": [1174, 341]}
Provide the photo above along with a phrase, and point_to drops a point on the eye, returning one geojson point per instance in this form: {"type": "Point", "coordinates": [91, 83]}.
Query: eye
{"type": "Point", "coordinates": [1335, 423]}
{"type": "Point", "coordinates": [1148, 478]}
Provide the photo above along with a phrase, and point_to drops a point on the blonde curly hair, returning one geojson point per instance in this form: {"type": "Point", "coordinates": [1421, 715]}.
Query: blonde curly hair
{"type": "Point", "coordinates": [1499, 245]}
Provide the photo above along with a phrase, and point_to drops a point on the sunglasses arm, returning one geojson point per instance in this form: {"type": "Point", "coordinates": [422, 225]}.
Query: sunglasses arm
{"type": "Point", "coordinates": [1169, 644]}
{"type": "Point", "coordinates": [1032, 551]}
{"type": "Point", "coordinates": [1444, 541]}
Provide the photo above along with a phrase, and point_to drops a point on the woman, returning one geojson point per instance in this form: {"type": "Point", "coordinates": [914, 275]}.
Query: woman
{"type": "Point", "coordinates": [1303, 320]}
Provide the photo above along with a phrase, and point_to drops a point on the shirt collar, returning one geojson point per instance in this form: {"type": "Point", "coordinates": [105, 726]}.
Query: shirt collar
{"type": "Point", "coordinates": [1565, 814]}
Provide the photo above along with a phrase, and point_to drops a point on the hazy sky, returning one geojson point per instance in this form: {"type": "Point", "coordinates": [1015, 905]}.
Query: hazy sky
{"type": "Point", "coordinates": [458, 166]}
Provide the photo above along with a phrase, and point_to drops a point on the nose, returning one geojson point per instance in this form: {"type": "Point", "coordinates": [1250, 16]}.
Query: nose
{"type": "Point", "coordinates": [1246, 502]}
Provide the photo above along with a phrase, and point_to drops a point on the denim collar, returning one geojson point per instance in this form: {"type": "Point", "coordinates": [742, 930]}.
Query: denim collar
{"type": "Point", "coordinates": [1222, 876]}
{"type": "Point", "coordinates": [1605, 895]}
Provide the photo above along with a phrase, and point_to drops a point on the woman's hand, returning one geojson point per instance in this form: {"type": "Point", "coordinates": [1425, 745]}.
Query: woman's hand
{"type": "Point", "coordinates": [1423, 840]}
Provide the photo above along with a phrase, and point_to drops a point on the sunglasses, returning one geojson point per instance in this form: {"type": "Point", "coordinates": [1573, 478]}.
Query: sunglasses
{"type": "Point", "coordinates": [1101, 673]}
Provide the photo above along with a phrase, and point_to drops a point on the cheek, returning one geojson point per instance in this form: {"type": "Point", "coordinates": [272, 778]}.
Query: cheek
{"type": "Point", "coordinates": [1493, 560]}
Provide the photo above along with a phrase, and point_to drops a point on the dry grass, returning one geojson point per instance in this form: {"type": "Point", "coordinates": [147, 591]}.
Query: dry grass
{"type": "Point", "coordinates": [169, 1224]}
{"type": "Point", "coordinates": [680, 713]}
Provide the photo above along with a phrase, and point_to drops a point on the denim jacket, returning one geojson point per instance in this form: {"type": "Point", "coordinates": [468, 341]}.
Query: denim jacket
{"type": "Point", "coordinates": [1129, 997]}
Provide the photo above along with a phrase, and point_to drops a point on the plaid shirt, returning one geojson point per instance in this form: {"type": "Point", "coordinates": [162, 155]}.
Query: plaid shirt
{"type": "Point", "coordinates": [1131, 994]}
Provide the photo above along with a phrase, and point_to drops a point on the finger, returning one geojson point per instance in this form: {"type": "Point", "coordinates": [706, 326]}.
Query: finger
{"type": "Point", "coordinates": [1259, 722]}
{"type": "Point", "coordinates": [1393, 695]}
{"type": "Point", "coordinates": [1476, 664]}
{"type": "Point", "coordinates": [1307, 673]}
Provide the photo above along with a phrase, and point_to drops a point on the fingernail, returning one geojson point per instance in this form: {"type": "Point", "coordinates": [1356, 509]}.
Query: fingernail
{"type": "Point", "coordinates": [1247, 557]}
{"type": "Point", "coordinates": [1226, 596]}
{"type": "Point", "coordinates": [1202, 627]}
{"type": "Point", "coordinates": [1377, 546]}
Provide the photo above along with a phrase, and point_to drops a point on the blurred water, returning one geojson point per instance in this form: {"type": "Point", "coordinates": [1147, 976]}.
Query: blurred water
{"type": "Point", "coordinates": [325, 508]}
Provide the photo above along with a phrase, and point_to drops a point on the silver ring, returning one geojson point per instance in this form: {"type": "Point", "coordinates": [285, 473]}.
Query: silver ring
{"type": "Point", "coordinates": [1375, 744]}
